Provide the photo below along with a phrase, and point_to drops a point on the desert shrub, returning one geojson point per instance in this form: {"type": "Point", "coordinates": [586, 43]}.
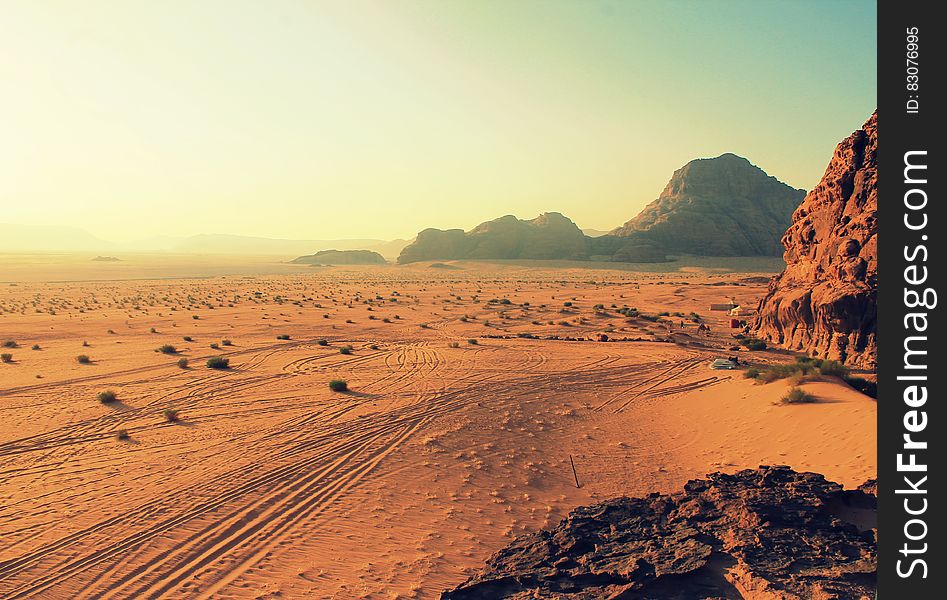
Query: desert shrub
{"type": "Point", "coordinates": [226, 343]}
{"type": "Point", "coordinates": [345, 350]}
{"type": "Point", "coordinates": [82, 359]}
{"type": "Point", "coordinates": [36, 347]}
{"type": "Point", "coordinates": [424, 326]}
{"type": "Point", "coordinates": [182, 363]}
{"type": "Point", "coordinates": [122, 435]}
{"type": "Point", "coordinates": [339, 385]}
{"type": "Point", "coordinates": [107, 397]}
{"type": "Point", "coordinates": [218, 362]}
{"type": "Point", "coordinates": [473, 342]}
{"type": "Point", "coordinates": [85, 344]}
{"type": "Point", "coordinates": [797, 395]}
{"type": "Point", "coordinates": [834, 368]}
{"type": "Point", "coordinates": [10, 344]}
{"type": "Point", "coordinates": [323, 342]}
{"type": "Point", "coordinates": [751, 373]}
{"type": "Point", "coordinates": [195, 317]}
{"type": "Point", "coordinates": [152, 330]}
{"type": "Point", "coordinates": [386, 320]}
{"type": "Point", "coordinates": [754, 344]}
{"type": "Point", "coordinates": [215, 346]}
{"type": "Point", "coordinates": [171, 415]}
{"type": "Point", "coordinates": [454, 344]}
{"type": "Point", "coordinates": [567, 304]}
{"type": "Point", "coordinates": [188, 338]}
{"type": "Point", "coordinates": [167, 349]}
{"type": "Point", "coordinates": [803, 367]}
{"type": "Point", "coordinates": [6, 357]}
{"type": "Point", "coordinates": [796, 378]}
{"type": "Point", "coordinates": [769, 376]}
{"type": "Point", "coordinates": [282, 337]}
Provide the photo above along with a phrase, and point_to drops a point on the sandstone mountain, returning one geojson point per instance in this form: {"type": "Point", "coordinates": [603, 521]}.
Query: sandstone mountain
{"type": "Point", "coordinates": [824, 303]}
{"type": "Point", "coordinates": [723, 206]}
{"type": "Point", "coordinates": [341, 257]}
{"type": "Point", "coordinates": [548, 236]}
{"type": "Point", "coordinates": [763, 533]}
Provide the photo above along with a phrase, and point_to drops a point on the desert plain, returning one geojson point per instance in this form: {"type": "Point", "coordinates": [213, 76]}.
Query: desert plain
{"type": "Point", "coordinates": [459, 429]}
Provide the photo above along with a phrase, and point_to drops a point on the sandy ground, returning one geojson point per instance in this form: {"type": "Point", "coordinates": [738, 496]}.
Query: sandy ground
{"type": "Point", "coordinates": [271, 485]}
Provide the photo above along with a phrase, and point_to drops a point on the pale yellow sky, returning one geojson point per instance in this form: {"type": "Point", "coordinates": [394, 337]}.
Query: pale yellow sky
{"type": "Point", "coordinates": [335, 119]}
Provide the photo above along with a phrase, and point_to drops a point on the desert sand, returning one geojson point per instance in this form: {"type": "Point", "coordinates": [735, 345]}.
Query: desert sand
{"type": "Point", "coordinates": [271, 485]}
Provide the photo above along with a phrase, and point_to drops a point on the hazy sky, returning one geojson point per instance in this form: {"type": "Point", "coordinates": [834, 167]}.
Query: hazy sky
{"type": "Point", "coordinates": [329, 119]}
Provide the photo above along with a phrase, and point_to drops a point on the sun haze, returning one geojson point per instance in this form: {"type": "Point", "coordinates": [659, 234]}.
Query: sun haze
{"type": "Point", "coordinates": [377, 119]}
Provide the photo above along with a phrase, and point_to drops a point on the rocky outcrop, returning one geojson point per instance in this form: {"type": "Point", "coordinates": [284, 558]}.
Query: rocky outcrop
{"type": "Point", "coordinates": [722, 206]}
{"type": "Point", "coordinates": [341, 257]}
{"type": "Point", "coordinates": [548, 236]}
{"type": "Point", "coordinates": [824, 303]}
{"type": "Point", "coordinates": [768, 533]}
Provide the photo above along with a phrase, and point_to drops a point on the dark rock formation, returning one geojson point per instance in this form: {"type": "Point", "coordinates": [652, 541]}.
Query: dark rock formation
{"type": "Point", "coordinates": [764, 533]}
{"type": "Point", "coordinates": [548, 236]}
{"type": "Point", "coordinates": [722, 206]}
{"type": "Point", "coordinates": [341, 257]}
{"type": "Point", "coordinates": [824, 303]}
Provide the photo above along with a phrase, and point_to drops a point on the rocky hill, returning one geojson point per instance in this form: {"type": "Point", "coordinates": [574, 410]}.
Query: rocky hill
{"type": "Point", "coordinates": [824, 303]}
{"type": "Point", "coordinates": [764, 533]}
{"type": "Point", "coordinates": [722, 206]}
{"type": "Point", "coordinates": [341, 257]}
{"type": "Point", "coordinates": [548, 236]}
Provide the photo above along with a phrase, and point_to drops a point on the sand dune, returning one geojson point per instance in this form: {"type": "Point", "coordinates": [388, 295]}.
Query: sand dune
{"type": "Point", "coordinates": [272, 485]}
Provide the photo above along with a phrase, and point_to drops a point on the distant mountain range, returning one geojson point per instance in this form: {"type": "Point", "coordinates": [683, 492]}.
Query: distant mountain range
{"type": "Point", "coordinates": [40, 238]}
{"type": "Point", "coordinates": [723, 206]}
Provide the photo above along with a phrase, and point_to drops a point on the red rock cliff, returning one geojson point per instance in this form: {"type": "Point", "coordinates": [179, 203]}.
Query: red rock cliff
{"type": "Point", "coordinates": [824, 303]}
